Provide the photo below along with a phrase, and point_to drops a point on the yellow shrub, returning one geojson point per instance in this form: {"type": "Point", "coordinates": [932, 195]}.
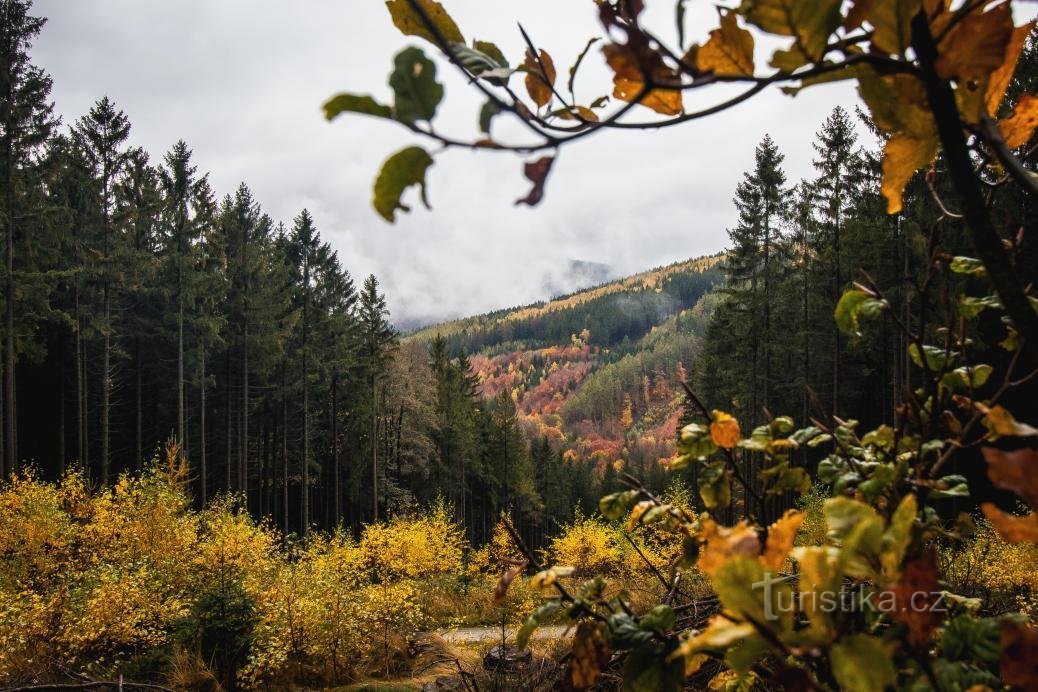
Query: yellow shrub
{"type": "Point", "coordinates": [988, 561]}
{"type": "Point", "coordinates": [589, 545]}
{"type": "Point", "coordinates": [413, 547]}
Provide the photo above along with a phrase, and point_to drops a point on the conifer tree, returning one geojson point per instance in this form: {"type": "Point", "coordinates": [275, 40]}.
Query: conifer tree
{"type": "Point", "coordinates": [103, 132]}
{"type": "Point", "coordinates": [26, 121]}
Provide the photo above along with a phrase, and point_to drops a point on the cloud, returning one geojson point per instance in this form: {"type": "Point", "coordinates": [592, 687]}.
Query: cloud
{"type": "Point", "coordinates": [242, 82]}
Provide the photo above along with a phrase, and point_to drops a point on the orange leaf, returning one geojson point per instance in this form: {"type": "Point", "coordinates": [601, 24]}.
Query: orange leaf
{"type": "Point", "coordinates": [729, 52]}
{"type": "Point", "coordinates": [1011, 527]}
{"type": "Point", "coordinates": [780, 538]}
{"type": "Point", "coordinates": [539, 82]}
{"type": "Point", "coordinates": [724, 430]}
{"type": "Point", "coordinates": [629, 79]}
{"type": "Point", "coordinates": [903, 155]}
{"type": "Point", "coordinates": [1001, 77]}
{"type": "Point", "coordinates": [976, 47]}
{"type": "Point", "coordinates": [723, 543]}
{"type": "Point", "coordinates": [1017, 128]}
{"type": "Point", "coordinates": [1019, 665]}
{"type": "Point", "coordinates": [1015, 471]}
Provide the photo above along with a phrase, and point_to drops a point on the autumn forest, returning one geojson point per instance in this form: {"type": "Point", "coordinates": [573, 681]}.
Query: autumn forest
{"type": "Point", "coordinates": [224, 466]}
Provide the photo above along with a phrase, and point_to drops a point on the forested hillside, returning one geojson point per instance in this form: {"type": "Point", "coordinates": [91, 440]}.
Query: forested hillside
{"type": "Point", "coordinates": [596, 375]}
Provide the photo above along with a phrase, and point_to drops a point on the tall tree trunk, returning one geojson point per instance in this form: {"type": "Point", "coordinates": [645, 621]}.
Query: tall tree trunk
{"type": "Point", "coordinates": [305, 462]}
{"type": "Point", "coordinates": [10, 444]}
{"type": "Point", "coordinates": [180, 357]}
{"type": "Point", "coordinates": [284, 453]}
{"type": "Point", "coordinates": [243, 459]}
{"type": "Point", "coordinates": [61, 411]}
{"type": "Point", "coordinates": [229, 485]}
{"type": "Point", "coordinates": [106, 384]}
{"type": "Point", "coordinates": [204, 470]}
{"type": "Point", "coordinates": [336, 471]}
{"type": "Point", "coordinates": [139, 422]}
{"type": "Point", "coordinates": [374, 448]}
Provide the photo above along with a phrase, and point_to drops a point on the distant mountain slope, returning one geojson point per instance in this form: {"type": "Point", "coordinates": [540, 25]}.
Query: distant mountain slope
{"type": "Point", "coordinates": [598, 372]}
{"type": "Point", "coordinates": [626, 307]}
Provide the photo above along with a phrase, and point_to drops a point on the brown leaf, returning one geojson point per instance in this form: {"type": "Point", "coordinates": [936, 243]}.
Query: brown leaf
{"type": "Point", "coordinates": [1017, 128]}
{"type": "Point", "coordinates": [976, 47]}
{"type": "Point", "coordinates": [856, 14]}
{"type": "Point", "coordinates": [729, 52]}
{"type": "Point", "coordinates": [1019, 664]}
{"type": "Point", "coordinates": [501, 590]}
{"type": "Point", "coordinates": [914, 598]}
{"type": "Point", "coordinates": [780, 538]}
{"type": "Point", "coordinates": [590, 652]}
{"type": "Point", "coordinates": [1011, 527]}
{"type": "Point", "coordinates": [629, 69]}
{"type": "Point", "coordinates": [537, 172]}
{"type": "Point", "coordinates": [1016, 471]}
{"type": "Point", "coordinates": [903, 155]}
{"type": "Point", "coordinates": [1000, 78]}
{"type": "Point", "coordinates": [539, 82]}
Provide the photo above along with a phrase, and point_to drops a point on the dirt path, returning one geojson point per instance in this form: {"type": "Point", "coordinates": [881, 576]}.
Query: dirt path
{"type": "Point", "coordinates": [490, 634]}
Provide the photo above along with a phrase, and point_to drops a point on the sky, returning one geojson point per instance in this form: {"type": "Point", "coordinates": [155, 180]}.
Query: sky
{"type": "Point", "coordinates": [242, 82]}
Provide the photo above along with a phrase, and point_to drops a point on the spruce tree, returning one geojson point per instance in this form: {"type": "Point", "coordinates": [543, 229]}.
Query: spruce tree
{"type": "Point", "coordinates": [103, 132]}
{"type": "Point", "coordinates": [26, 122]}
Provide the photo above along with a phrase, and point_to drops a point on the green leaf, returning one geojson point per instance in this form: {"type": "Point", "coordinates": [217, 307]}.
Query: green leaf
{"type": "Point", "coordinates": [534, 621]}
{"type": "Point", "coordinates": [645, 670]}
{"type": "Point", "coordinates": [625, 633]}
{"type": "Point", "coordinates": [488, 48]}
{"type": "Point", "coordinates": [400, 171]}
{"type": "Point", "coordinates": [968, 265]}
{"type": "Point", "coordinates": [487, 113]}
{"type": "Point", "coordinates": [480, 64]}
{"type": "Point", "coordinates": [971, 306]}
{"type": "Point", "coordinates": [355, 103]}
{"type": "Point", "coordinates": [714, 486]}
{"type": "Point", "coordinates": [951, 486]}
{"type": "Point", "coordinates": [415, 86]}
{"type": "Point", "coordinates": [968, 638]}
{"type": "Point", "coordinates": [936, 358]}
{"type": "Point", "coordinates": [696, 441]}
{"type": "Point", "coordinates": [853, 305]}
{"type": "Point", "coordinates": [968, 378]}
{"type": "Point", "coordinates": [660, 619]}
{"type": "Point", "coordinates": [617, 505]}
{"type": "Point", "coordinates": [861, 663]}
{"type": "Point", "coordinates": [411, 23]}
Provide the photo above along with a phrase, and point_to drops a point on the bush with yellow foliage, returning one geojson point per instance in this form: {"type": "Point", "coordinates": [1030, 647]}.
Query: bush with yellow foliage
{"type": "Point", "coordinates": [132, 580]}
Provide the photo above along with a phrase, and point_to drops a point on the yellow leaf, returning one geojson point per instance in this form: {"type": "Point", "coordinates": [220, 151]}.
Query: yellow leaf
{"type": "Point", "coordinates": [539, 82]}
{"type": "Point", "coordinates": [1001, 77]}
{"type": "Point", "coordinates": [976, 47]}
{"type": "Point", "coordinates": [891, 20]}
{"type": "Point", "coordinates": [809, 22]}
{"type": "Point", "coordinates": [636, 514]}
{"type": "Point", "coordinates": [628, 80]}
{"type": "Point", "coordinates": [1017, 128]}
{"type": "Point", "coordinates": [729, 52]}
{"type": "Point", "coordinates": [820, 575]}
{"type": "Point", "coordinates": [410, 22]}
{"type": "Point", "coordinates": [780, 538]}
{"type": "Point", "coordinates": [1001, 423]}
{"type": "Point", "coordinates": [724, 430]}
{"type": "Point", "coordinates": [723, 543]}
{"type": "Point", "coordinates": [589, 653]}
{"type": "Point", "coordinates": [903, 155]}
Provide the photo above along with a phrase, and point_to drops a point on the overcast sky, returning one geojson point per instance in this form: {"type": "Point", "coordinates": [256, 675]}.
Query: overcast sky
{"type": "Point", "coordinates": [242, 81]}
